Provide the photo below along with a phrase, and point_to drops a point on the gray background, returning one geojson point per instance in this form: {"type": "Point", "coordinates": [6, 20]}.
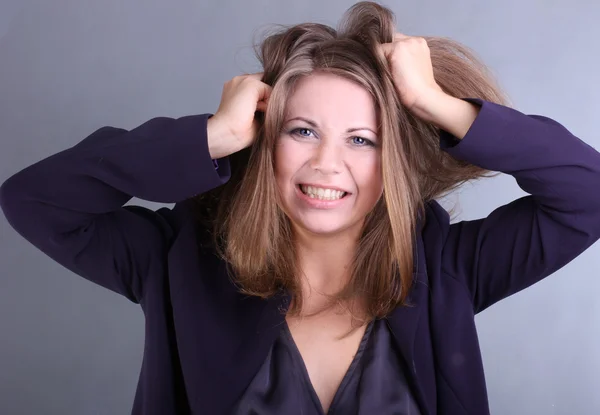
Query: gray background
{"type": "Point", "coordinates": [69, 67]}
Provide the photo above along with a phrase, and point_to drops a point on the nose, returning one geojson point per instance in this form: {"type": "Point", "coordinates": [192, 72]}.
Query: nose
{"type": "Point", "coordinates": [327, 158]}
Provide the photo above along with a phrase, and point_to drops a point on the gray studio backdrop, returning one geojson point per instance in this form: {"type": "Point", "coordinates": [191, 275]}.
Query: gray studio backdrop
{"type": "Point", "coordinates": [68, 67]}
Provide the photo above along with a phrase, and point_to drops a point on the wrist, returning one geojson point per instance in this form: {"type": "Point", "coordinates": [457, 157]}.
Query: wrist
{"type": "Point", "coordinates": [446, 112]}
{"type": "Point", "coordinates": [430, 105]}
{"type": "Point", "coordinates": [215, 133]}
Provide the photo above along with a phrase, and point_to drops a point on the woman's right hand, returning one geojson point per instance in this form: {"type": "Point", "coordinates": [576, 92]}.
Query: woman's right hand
{"type": "Point", "coordinates": [233, 127]}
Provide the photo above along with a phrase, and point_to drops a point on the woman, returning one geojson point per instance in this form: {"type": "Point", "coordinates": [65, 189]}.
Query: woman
{"type": "Point", "coordinates": [306, 267]}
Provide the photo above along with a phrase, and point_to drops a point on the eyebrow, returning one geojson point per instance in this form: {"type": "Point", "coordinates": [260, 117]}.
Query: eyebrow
{"type": "Point", "coordinates": [315, 125]}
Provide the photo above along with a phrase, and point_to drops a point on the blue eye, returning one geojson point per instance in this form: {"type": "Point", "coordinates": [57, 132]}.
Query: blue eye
{"type": "Point", "coordinates": [361, 141]}
{"type": "Point", "coordinates": [301, 132]}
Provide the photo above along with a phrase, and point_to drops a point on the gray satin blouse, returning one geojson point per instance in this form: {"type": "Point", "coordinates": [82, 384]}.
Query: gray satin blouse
{"type": "Point", "coordinates": [373, 384]}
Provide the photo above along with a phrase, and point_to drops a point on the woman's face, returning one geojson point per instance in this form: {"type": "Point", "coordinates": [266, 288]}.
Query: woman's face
{"type": "Point", "coordinates": [328, 156]}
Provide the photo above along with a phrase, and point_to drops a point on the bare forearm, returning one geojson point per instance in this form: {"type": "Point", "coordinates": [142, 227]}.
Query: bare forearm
{"type": "Point", "coordinates": [448, 113]}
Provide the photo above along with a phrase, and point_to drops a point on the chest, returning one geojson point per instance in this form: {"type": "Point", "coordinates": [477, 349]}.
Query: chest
{"type": "Point", "coordinates": [327, 347]}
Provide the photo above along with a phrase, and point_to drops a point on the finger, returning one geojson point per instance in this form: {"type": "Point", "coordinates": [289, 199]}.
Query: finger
{"type": "Point", "coordinates": [386, 49]}
{"type": "Point", "coordinates": [261, 106]}
{"type": "Point", "coordinates": [264, 91]}
{"type": "Point", "coordinates": [258, 75]}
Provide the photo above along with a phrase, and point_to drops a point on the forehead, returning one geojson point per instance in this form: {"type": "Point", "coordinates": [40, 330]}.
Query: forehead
{"type": "Point", "coordinates": [331, 100]}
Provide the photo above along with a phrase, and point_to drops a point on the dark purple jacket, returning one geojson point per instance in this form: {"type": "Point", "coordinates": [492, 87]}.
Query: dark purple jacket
{"type": "Point", "coordinates": [204, 341]}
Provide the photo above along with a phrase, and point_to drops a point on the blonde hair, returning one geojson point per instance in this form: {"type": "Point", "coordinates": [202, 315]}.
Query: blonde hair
{"type": "Point", "coordinates": [253, 234]}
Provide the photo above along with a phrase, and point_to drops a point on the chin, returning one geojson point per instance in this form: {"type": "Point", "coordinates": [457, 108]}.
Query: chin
{"type": "Point", "coordinates": [321, 227]}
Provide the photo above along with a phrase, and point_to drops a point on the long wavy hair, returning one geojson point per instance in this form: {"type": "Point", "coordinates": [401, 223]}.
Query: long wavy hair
{"type": "Point", "coordinates": [251, 231]}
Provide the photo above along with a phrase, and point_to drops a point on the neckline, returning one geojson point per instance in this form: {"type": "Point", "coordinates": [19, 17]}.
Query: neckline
{"type": "Point", "coordinates": [299, 362]}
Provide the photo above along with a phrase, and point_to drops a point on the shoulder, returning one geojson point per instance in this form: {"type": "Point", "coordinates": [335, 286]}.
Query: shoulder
{"type": "Point", "coordinates": [436, 223]}
{"type": "Point", "coordinates": [191, 218]}
{"type": "Point", "coordinates": [432, 238]}
{"type": "Point", "coordinates": [172, 221]}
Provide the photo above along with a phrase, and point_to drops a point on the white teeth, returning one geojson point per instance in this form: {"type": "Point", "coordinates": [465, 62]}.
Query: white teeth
{"type": "Point", "coordinates": [322, 194]}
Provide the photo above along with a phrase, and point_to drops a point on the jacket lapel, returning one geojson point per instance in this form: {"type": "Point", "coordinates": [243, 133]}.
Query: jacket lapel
{"type": "Point", "coordinates": [410, 328]}
{"type": "Point", "coordinates": [222, 336]}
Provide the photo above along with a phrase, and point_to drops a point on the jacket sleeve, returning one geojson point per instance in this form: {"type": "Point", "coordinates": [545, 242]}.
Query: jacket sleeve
{"type": "Point", "coordinates": [70, 204]}
{"type": "Point", "coordinates": [530, 238]}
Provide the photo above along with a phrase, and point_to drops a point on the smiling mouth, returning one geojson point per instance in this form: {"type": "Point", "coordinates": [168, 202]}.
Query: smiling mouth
{"type": "Point", "coordinates": [322, 193]}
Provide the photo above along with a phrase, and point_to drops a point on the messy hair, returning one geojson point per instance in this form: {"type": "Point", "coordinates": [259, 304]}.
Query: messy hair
{"type": "Point", "coordinates": [252, 232]}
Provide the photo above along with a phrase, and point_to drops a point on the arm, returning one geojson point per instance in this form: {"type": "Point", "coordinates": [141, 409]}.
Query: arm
{"type": "Point", "coordinates": [532, 237]}
{"type": "Point", "coordinates": [70, 205]}
{"type": "Point", "coordinates": [450, 114]}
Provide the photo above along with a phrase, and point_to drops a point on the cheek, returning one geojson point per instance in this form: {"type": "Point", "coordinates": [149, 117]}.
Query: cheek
{"type": "Point", "coordinates": [369, 179]}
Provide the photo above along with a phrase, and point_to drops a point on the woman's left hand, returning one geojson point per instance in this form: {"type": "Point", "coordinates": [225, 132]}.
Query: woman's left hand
{"type": "Point", "coordinates": [412, 71]}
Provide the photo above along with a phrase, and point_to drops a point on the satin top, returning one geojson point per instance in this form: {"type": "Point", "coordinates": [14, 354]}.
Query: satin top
{"type": "Point", "coordinates": [373, 384]}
